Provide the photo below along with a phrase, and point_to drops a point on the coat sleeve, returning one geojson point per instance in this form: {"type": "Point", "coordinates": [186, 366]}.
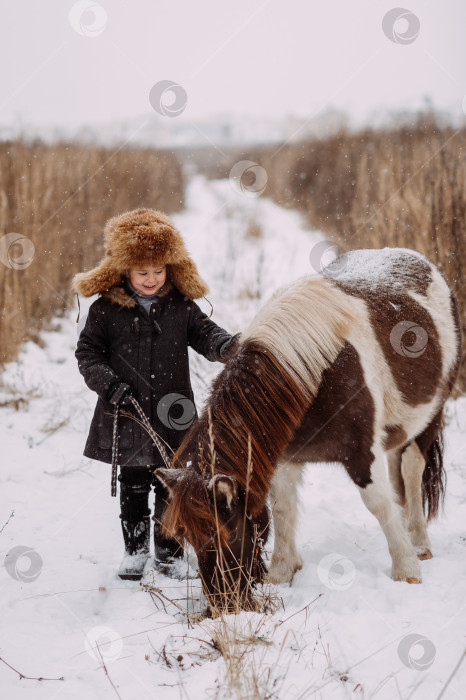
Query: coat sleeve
{"type": "Point", "coordinates": [205, 337]}
{"type": "Point", "coordinates": [92, 355]}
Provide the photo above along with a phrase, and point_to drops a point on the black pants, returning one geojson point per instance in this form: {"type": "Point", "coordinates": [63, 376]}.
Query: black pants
{"type": "Point", "coordinates": [135, 487]}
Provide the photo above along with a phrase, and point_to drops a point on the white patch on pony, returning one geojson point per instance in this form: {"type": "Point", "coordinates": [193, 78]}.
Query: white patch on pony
{"type": "Point", "coordinates": [412, 468]}
{"type": "Point", "coordinates": [380, 500]}
{"type": "Point", "coordinates": [438, 306]}
{"type": "Point", "coordinates": [388, 402]}
{"type": "Point", "coordinates": [224, 486]}
{"type": "Point", "coordinates": [304, 325]}
{"type": "Point", "coordinates": [284, 498]}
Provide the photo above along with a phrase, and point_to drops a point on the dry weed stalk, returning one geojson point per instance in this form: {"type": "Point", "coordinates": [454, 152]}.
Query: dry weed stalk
{"type": "Point", "coordinates": [107, 673]}
{"type": "Point", "coordinates": [30, 678]}
{"type": "Point", "coordinates": [12, 514]}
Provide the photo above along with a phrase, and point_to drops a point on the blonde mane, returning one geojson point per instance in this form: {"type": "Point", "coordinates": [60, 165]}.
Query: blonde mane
{"type": "Point", "coordinates": [304, 325]}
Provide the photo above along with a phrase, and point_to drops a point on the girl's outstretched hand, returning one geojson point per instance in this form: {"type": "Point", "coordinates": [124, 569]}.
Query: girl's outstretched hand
{"type": "Point", "coordinates": [229, 346]}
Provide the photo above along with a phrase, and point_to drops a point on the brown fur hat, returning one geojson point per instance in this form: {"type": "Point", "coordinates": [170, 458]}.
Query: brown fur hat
{"type": "Point", "coordinates": [136, 239]}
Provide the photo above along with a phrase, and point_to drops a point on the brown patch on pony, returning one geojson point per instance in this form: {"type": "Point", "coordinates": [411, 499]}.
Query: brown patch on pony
{"type": "Point", "coordinates": [389, 307]}
{"type": "Point", "coordinates": [254, 400]}
{"type": "Point", "coordinates": [395, 436]}
{"type": "Point", "coordinates": [339, 425]}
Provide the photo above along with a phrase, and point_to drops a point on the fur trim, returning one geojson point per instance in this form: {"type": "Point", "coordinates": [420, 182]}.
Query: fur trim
{"type": "Point", "coordinates": [136, 239]}
{"type": "Point", "coordinates": [120, 295]}
{"type": "Point", "coordinates": [96, 281]}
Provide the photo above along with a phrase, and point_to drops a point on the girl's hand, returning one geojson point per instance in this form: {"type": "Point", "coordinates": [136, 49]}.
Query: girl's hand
{"type": "Point", "coordinates": [120, 395]}
{"type": "Point", "coordinates": [229, 346]}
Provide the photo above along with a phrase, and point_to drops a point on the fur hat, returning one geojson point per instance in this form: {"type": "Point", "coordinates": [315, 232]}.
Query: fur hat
{"type": "Point", "coordinates": [137, 239]}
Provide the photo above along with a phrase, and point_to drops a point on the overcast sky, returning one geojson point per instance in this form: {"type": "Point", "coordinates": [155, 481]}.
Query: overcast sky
{"type": "Point", "coordinates": [248, 57]}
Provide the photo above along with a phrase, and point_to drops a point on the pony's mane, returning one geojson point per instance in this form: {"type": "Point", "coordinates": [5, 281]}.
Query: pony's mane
{"type": "Point", "coordinates": [304, 326]}
{"type": "Point", "coordinates": [259, 399]}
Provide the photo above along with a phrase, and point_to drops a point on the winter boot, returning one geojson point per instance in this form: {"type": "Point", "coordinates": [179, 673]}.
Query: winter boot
{"type": "Point", "coordinates": [136, 535]}
{"type": "Point", "coordinates": [135, 519]}
{"type": "Point", "coordinates": [167, 552]}
{"type": "Point", "coordinates": [165, 549]}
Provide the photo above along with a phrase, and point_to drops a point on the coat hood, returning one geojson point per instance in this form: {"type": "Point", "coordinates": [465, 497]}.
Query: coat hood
{"type": "Point", "coordinates": [136, 239]}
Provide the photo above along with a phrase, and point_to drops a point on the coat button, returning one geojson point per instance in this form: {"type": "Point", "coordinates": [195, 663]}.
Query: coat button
{"type": "Point", "coordinates": [152, 376]}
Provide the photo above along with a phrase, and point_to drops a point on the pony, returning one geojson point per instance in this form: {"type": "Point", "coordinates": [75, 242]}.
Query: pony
{"type": "Point", "coordinates": [352, 365]}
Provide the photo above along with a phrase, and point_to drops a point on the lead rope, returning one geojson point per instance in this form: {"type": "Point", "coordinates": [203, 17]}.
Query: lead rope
{"type": "Point", "coordinates": [155, 439]}
{"type": "Point", "coordinates": [115, 451]}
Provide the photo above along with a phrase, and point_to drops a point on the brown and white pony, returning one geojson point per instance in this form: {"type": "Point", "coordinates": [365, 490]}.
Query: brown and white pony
{"type": "Point", "coordinates": [347, 366]}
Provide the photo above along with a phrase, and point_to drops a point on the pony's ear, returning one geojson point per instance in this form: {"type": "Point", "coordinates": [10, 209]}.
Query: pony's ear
{"type": "Point", "coordinates": [224, 489]}
{"type": "Point", "coordinates": [169, 478]}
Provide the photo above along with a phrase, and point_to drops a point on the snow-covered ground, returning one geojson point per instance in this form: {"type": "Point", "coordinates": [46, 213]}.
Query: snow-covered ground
{"type": "Point", "coordinates": [344, 629]}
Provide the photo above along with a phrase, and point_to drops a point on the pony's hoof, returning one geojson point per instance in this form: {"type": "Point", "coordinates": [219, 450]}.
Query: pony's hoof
{"type": "Point", "coordinates": [425, 554]}
{"type": "Point", "coordinates": [283, 572]}
{"type": "Point", "coordinates": [276, 577]}
{"type": "Point", "coordinates": [407, 569]}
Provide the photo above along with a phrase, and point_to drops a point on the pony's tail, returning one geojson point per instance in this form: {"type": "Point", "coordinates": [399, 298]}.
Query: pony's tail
{"type": "Point", "coordinates": [431, 444]}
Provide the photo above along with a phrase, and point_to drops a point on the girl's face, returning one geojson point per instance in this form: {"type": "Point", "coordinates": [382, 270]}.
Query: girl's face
{"type": "Point", "coordinates": [148, 280]}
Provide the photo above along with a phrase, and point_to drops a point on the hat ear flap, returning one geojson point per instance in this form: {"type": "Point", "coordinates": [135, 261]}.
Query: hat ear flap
{"type": "Point", "coordinates": [186, 278]}
{"type": "Point", "coordinates": [97, 280]}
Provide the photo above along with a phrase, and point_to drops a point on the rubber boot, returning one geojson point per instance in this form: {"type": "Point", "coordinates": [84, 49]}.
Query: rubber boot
{"type": "Point", "coordinates": [136, 535]}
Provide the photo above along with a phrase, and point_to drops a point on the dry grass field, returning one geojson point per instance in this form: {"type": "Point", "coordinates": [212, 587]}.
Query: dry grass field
{"type": "Point", "coordinates": [56, 200]}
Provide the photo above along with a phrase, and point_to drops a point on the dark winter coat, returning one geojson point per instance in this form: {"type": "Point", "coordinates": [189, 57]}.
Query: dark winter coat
{"type": "Point", "coordinates": [121, 342]}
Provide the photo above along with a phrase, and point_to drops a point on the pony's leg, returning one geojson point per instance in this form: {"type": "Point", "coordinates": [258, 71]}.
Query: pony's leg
{"type": "Point", "coordinates": [394, 472]}
{"type": "Point", "coordinates": [284, 497]}
{"type": "Point", "coordinates": [412, 468]}
{"type": "Point", "coordinates": [380, 499]}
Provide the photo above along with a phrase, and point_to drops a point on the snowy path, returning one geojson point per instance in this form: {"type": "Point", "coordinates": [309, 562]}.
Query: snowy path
{"type": "Point", "coordinates": [346, 629]}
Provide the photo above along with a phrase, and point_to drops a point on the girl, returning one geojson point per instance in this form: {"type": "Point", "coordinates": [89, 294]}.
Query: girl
{"type": "Point", "coordinates": [135, 342]}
